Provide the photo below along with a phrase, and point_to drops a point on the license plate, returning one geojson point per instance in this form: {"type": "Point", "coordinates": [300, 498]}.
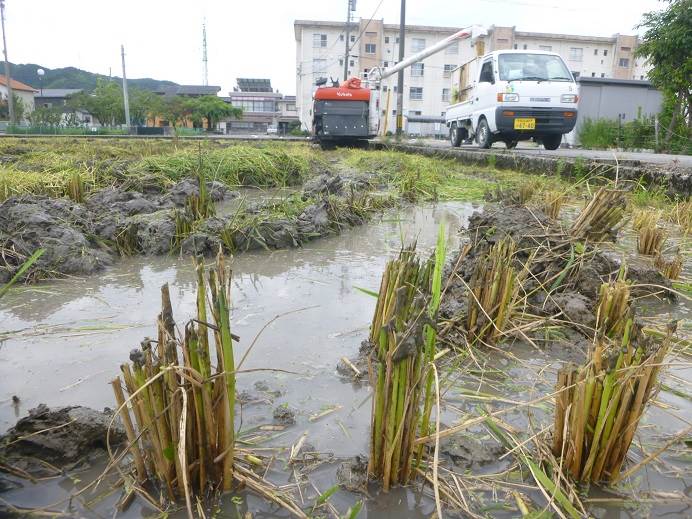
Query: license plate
{"type": "Point", "coordinates": [525, 123]}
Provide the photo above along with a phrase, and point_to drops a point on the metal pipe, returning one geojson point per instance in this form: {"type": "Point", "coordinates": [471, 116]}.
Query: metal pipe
{"type": "Point", "coordinates": [8, 79]}
{"type": "Point", "coordinates": [400, 79]}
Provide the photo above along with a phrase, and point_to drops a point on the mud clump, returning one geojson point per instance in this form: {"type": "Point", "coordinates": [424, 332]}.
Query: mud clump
{"type": "Point", "coordinates": [544, 249]}
{"type": "Point", "coordinates": [180, 192]}
{"type": "Point", "coordinates": [61, 437]}
{"type": "Point", "coordinates": [323, 185]}
{"type": "Point", "coordinates": [63, 228]}
{"type": "Point", "coordinates": [467, 452]}
{"type": "Point", "coordinates": [360, 362]}
{"type": "Point", "coordinates": [352, 475]}
{"type": "Point", "coordinates": [284, 415]}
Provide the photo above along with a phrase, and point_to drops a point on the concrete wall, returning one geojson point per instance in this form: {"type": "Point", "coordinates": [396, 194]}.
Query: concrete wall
{"type": "Point", "coordinates": [607, 99]}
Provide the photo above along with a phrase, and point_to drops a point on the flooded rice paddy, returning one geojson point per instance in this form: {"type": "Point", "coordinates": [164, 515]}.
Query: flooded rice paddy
{"type": "Point", "coordinates": [61, 343]}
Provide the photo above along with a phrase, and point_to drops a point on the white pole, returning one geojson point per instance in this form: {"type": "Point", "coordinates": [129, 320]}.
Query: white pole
{"type": "Point", "coordinates": [125, 97]}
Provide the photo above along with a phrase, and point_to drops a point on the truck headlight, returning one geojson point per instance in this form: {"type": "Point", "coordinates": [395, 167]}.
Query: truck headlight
{"type": "Point", "coordinates": [569, 98]}
{"type": "Point", "coordinates": [507, 98]}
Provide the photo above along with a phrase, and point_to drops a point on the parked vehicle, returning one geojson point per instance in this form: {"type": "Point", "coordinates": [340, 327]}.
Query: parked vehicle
{"type": "Point", "coordinates": [272, 130]}
{"type": "Point", "coordinates": [511, 96]}
{"type": "Point", "coordinates": [350, 111]}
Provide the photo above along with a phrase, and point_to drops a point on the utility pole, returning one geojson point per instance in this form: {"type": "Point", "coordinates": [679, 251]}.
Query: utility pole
{"type": "Point", "coordinates": [351, 7]}
{"type": "Point", "coordinates": [205, 64]}
{"type": "Point", "coordinates": [125, 97]}
{"type": "Point", "coordinates": [400, 76]}
{"type": "Point", "coordinates": [8, 79]}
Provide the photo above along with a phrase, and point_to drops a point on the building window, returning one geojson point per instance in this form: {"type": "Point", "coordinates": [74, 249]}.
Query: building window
{"type": "Point", "coordinates": [384, 88]}
{"type": "Point", "coordinates": [393, 112]}
{"type": "Point", "coordinates": [290, 107]}
{"type": "Point", "coordinates": [602, 74]}
{"type": "Point", "coordinates": [319, 40]}
{"type": "Point", "coordinates": [453, 48]}
{"type": "Point", "coordinates": [386, 64]}
{"type": "Point", "coordinates": [386, 39]}
{"type": "Point", "coordinates": [448, 69]}
{"type": "Point", "coordinates": [576, 53]}
{"type": "Point", "coordinates": [341, 62]}
{"type": "Point", "coordinates": [593, 74]}
{"type": "Point", "coordinates": [445, 94]}
{"type": "Point", "coordinates": [595, 52]}
{"type": "Point", "coordinates": [575, 74]}
{"type": "Point", "coordinates": [605, 52]}
{"type": "Point", "coordinates": [414, 112]}
{"type": "Point", "coordinates": [525, 46]}
{"type": "Point", "coordinates": [624, 63]}
{"type": "Point", "coordinates": [416, 93]}
{"type": "Point", "coordinates": [417, 44]}
{"type": "Point", "coordinates": [417, 70]}
{"type": "Point", "coordinates": [394, 88]}
{"type": "Point", "coordinates": [319, 65]}
{"type": "Point", "coordinates": [516, 46]}
{"type": "Point", "coordinates": [370, 48]}
{"type": "Point", "coordinates": [353, 38]}
{"type": "Point", "coordinates": [341, 37]}
{"type": "Point", "coordinates": [397, 40]}
{"type": "Point", "coordinates": [351, 63]}
{"type": "Point", "coordinates": [625, 49]}
{"type": "Point", "coordinates": [547, 48]}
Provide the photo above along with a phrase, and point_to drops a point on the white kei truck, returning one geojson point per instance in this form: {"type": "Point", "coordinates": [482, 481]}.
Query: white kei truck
{"type": "Point", "coordinates": [511, 96]}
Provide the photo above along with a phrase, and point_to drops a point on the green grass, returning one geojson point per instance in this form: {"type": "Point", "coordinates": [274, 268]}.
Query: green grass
{"type": "Point", "coordinates": [416, 177]}
{"type": "Point", "coordinates": [46, 166]}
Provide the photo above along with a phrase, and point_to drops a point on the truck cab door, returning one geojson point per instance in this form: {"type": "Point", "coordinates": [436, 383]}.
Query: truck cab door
{"type": "Point", "coordinates": [485, 95]}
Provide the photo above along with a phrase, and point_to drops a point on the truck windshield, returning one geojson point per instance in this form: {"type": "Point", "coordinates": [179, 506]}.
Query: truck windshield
{"type": "Point", "coordinates": [532, 67]}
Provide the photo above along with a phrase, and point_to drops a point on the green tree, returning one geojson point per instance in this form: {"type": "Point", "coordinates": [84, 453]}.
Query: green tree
{"type": "Point", "coordinates": [667, 45]}
{"type": "Point", "coordinates": [211, 108]}
{"type": "Point", "coordinates": [105, 103]}
{"type": "Point", "coordinates": [45, 117]}
{"type": "Point", "coordinates": [174, 110]}
{"type": "Point", "coordinates": [19, 108]}
{"type": "Point", "coordinates": [144, 105]}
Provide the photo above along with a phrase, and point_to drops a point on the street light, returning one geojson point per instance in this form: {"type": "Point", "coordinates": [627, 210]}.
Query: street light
{"type": "Point", "coordinates": [41, 73]}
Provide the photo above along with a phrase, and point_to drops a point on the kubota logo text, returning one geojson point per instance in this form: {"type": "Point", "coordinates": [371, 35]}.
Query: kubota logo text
{"type": "Point", "coordinates": [344, 94]}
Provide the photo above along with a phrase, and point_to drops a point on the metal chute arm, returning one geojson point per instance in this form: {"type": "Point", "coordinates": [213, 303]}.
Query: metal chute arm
{"type": "Point", "coordinates": [378, 74]}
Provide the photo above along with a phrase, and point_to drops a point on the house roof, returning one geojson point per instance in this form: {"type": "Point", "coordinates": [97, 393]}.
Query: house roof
{"type": "Point", "coordinates": [642, 83]}
{"type": "Point", "coordinates": [17, 85]}
{"type": "Point", "coordinates": [189, 90]}
{"type": "Point", "coordinates": [57, 92]}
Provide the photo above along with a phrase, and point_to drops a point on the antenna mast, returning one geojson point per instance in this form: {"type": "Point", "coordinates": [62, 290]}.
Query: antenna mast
{"type": "Point", "coordinates": [204, 53]}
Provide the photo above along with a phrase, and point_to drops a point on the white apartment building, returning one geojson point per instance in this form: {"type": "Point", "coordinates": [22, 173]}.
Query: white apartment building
{"type": "Point", "coordinates": [320, 51]}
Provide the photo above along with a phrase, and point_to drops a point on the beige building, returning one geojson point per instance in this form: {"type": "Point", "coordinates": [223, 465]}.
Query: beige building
{"type": "Point", "coordinates": [24, 92]}
{"type": "Point", "coordinates": [320, 52]}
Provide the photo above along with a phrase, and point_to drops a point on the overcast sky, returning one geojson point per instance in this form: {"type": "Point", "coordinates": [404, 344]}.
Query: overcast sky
{"type": "Point", "coordinates": [163, 38]}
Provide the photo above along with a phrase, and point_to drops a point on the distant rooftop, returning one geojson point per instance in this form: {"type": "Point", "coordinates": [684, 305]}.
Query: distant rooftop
{"type": "Point", "coordinates": [189, 90]}
{"type": "Point", "coordinates": [58, 92]}
{"type": "Point", "coordinates": [17, 85]}
{"type": "Point", "coordinates": [254, 85]}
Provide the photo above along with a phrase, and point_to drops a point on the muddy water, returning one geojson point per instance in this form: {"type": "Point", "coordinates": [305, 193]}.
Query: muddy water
{"type": "Point", "coordinates": [62, 342]}
{"type": "Point", "coordinates": [71, 335]}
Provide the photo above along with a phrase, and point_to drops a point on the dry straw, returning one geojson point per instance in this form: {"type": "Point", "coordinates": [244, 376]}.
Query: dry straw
{"type": "Point", "coordinates": [493, 290]}
{"type": "Point", "coordinates": [651, 239]}
{"type": "Point", "coordinates": [671, 268]}
{"type": "Point", "coordinates": [599, 405]}
{"type": "Point", "coordinates": [602, 216]}
{"type": "Point", "coordinates": [552, 203]}
{"type": "Point", "coordinates": [179, 410]}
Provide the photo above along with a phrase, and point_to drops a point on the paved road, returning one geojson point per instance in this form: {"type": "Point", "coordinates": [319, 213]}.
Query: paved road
{"type": "Point", "coordinates": [660, 159]}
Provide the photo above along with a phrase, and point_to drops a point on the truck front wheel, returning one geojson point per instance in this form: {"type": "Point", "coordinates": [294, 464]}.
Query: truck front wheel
{"type": "Point", "coordinates": [483, 135]}
{"type": "Point", "coordinates": [552, 142]}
